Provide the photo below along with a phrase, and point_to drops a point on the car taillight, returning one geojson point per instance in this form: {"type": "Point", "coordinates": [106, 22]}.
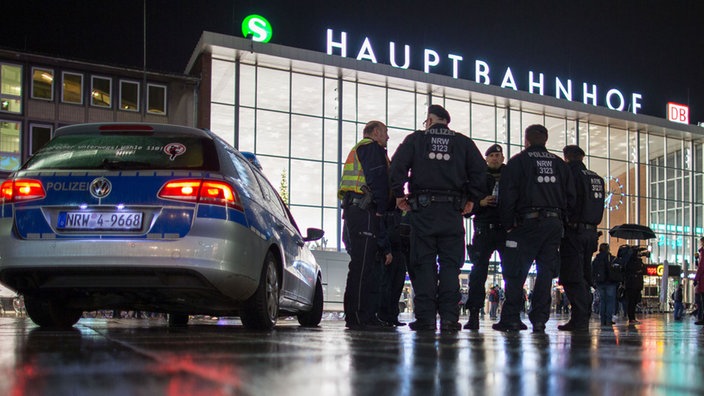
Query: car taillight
{"type": "Point", "coordinates": [21, 190]}
{"type": "Point", "coordinates": [210, 192]}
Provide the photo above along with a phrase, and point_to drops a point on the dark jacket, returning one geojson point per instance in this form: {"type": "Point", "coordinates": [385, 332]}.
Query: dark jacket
{"type": "Point", "coordinates": [440, 160]}
{"type": "Point", "coordinates": [534, 179]}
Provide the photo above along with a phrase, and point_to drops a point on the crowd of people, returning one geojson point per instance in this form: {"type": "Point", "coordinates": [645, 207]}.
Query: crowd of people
{"type": "Point", "coordinates": [407, 214]}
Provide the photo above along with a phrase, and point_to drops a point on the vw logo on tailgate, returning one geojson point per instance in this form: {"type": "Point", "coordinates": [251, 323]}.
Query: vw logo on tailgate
{"type": "Point", "coordinates": [100, 187]}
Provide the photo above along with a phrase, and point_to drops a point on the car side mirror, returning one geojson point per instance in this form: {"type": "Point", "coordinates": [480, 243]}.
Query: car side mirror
{"type": "Point", "coordinates": [313, 234]}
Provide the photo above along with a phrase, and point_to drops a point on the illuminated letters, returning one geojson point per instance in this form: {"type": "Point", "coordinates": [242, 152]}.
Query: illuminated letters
{"type": "Point", "coordinates": [336, 44]}
{"type": "Point", "coordinates": [392, 55]}
{"type": "Point", "coordinates": [342, 44]}
{"type": "Point", "coordinates": [561, 88]}
{"type": "Point", "coordinates": [532, 84]}
{"type": "Point", "coordinates": [610, 94]}
{"type": "Point", "coordinates": [481, 72]}
{"type": "Point", "coordinates": [508, 81]}
{"type": "Point", "coordinates": [429, 54]}
{"type": "Point", "coordinates": [366, 51]}
{"type": "Point", "coordinates": [258, 27]}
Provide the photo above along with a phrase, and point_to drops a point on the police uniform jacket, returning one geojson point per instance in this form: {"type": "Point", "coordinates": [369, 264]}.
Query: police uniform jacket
{"type": "Point", "coordinates": [440, 160]}
{"type": "Point", "coordinates": [375, 166]}
{"type": "Point", "coordinates": [488, 214]}
{"type": "Point", "coordinates": [534, 180]}
{"type": "Point", "coordinates": [589, 206]}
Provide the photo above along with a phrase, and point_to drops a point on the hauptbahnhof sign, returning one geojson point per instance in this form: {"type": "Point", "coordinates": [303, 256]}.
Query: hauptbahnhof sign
{"type": "Point", "coordinates": [481, 72]}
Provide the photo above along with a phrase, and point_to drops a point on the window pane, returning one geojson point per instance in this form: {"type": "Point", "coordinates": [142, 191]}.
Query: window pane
{"type": "Point", "coordinates": [246, 85]}
{"type": "Point", "coordinates": [306, 137]}
{"type": "Point", "coordinates": [129, 95]}
{"type": "Point", "coordinates": [72, 88]}
{"type": "Point", "coordinates": [222, 122]}
{"type": "Point", "coordinates": [156, 99]}
{"type": "Point", "coordinates": [273, 89]}
{"type": "Point", "coordinates": [100, 93]}
{"type": "Point", "coordinates": [223, 82]}
{"type": "Point", "coordinates": [42, 84]}
{"type": "Point", "coordinates": [332, 99]}
{"type": "Point", "coordinates": [618, 144]}
{"type": "Point", "coordinates": [272, 135]}
{"type": "Point", "coordinates": [10, 145]}
{"type": "Point", "coordinates": [306, 183]}
{"type": "Point", "coordinates": [371, 103]}
{"type": "Point", "coordinates": [307, 94]}
{"type": "Point", "coordinates": [39, 135]}
{"type": "Point", "coordinates": [11, 83]}
{"type": "Point", "coordinates": [330, 146]}
{"type": "Point", "coordinates": [401, 109]}
{"type": "Point", "coordinates": [483, 123]}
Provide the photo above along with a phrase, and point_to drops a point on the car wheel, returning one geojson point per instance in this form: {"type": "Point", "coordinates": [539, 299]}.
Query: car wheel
{"type": "Point", "coordinates": [312, 318]}
{"type": "Point", "coordinates": [178, 320]}
{"type": "Point", "coordinates": [47, 312]}
{"type": "Point", "coordinates": [262, 309]}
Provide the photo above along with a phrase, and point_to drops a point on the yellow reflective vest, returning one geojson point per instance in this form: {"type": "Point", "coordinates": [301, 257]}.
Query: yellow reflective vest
{"type": "Point", "coordinates": [352, 172]}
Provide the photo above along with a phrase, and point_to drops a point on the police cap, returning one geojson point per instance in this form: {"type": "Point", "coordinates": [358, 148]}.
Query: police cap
{"type": "Point", "coordinates": [494, 148]}
{"type": "Point", "coordinates": [439, 111]}
{"type": "Point", "coordinates": [573, 150]}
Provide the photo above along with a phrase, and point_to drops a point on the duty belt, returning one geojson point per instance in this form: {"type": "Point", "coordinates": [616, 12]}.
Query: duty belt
{"type": "Point", "coordinates": [585, 226]}
{"type": "Point", "coordinates": [488, 226]}
{"type": "Point", "coordinates": [540, 214]}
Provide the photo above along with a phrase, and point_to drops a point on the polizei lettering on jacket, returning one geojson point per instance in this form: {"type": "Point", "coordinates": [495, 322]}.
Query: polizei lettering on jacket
{"type": "Point", "coordinates": [534, 83]}
{"type": "Point", "coordinates": [67, 186]}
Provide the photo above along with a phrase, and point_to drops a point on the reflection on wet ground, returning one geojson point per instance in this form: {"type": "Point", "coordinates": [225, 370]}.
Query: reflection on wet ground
{"type": "Point", "coordinates": [145, 357]}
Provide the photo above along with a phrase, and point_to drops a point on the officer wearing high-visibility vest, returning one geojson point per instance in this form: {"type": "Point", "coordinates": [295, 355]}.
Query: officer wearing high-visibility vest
{"type": "Point", "coordinates": [365, 195]}
{"type": "Point", "coordinates": [447, 173]}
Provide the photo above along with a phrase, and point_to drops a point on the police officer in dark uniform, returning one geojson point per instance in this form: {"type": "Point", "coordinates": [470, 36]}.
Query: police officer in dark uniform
{"type": "Point", "coordinates": [581, 239]}
{"type": "Point", "coordinates": [489, 235]}
{"type": "Point", "coordinates": [365, 195]}
{"type": "Point", "coordinates": [536, 192]}
{"type": "Point", "coordinates": [447, 172]}
{"type": "Point", "coordinates": [394, 274]}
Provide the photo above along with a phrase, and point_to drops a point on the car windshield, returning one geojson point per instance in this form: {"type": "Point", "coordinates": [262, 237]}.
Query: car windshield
{"type": "Point", "coordinates": [125, 152]}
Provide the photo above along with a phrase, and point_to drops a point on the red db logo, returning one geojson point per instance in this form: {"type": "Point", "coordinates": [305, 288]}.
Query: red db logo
{"type": "Point", "coordinates": [678, 113]}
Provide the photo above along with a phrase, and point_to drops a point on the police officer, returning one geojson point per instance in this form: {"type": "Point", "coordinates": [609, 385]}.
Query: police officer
{"type": "Point", "coordinates": [536, 191]}
{"type": "Point", "coordinates": [394, 274]}
{"type": "Point", "coordinates": [489, 235]}
{"type": "Point", "coordinates": [447, 173]}
{"type": "Point", "coordinates": [581, 239]}
{"type": "Point", "coordinates": [364, 191]}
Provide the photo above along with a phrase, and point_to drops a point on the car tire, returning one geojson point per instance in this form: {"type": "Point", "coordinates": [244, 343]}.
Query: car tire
{"type": "Point", "coordinates": [313, 317]}
{"type": "Point", "coordinates": [261, 310]}
{"type": "Point", "coordinates": [178, 320]}
{"type": "Point", "coordinates": [50, 313]}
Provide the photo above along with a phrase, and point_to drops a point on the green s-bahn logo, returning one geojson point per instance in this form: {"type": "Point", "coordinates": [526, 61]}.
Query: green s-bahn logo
{"type": "Point", "coordinates": [258, 27]}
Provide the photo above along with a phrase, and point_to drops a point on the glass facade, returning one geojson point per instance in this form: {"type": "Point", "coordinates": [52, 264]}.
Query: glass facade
{"type": "Point", "coordinates": [301, 119]}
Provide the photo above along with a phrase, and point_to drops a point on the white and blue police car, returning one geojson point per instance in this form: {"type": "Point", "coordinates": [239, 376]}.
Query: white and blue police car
{"type": "Point", "coordinates": [157, 218]}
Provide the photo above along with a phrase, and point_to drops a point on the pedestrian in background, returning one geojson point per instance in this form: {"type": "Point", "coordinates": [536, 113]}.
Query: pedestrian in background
{"type": "Point", "coordinates": [581, 239]}
{"type": "Point", "coordinates": [606, 284]}
{"type": "Point", "coordinates": [699, 284]}
{"type": "Point", "coordinates": [365, 195]}
{"type": "Point", "coordinates": [536, 192]}
{"type": "Point", "coordinates": [489, 235]}
{"type": "Point", "coordinates": [678, 298]}
{"type": "Point", "coordinates": [445, 174]}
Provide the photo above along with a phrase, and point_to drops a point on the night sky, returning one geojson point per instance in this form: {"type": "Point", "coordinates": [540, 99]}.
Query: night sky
{"type": "Point", "coordinates": [655, 48]}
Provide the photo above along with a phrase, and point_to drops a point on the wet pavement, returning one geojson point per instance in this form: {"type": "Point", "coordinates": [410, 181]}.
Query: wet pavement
{"type": "Point", "coordinates": [145, 357]}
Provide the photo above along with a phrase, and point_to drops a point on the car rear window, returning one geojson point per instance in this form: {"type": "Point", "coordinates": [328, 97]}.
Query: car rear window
{"type": "Point", "coordinates": [126, 152]}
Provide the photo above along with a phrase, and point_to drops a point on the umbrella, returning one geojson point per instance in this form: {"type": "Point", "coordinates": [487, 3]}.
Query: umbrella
{"type": "Point", "coordinates": [632, 231]}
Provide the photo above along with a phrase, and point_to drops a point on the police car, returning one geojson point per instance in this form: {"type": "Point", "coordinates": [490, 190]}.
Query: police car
{"type": "Point", "coordinates": [156, 218]}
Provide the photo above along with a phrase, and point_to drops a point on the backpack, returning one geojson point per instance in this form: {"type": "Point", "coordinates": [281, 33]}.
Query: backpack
{"type": "Point", "coordinates": [618, 265]}
{"type": "Point", "coordinates": [600, 268]}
